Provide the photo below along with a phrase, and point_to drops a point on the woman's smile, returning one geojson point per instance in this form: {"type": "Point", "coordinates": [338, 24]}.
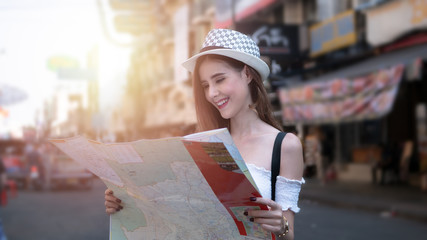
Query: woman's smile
{"type": "Point", "coordinates": [222, 103]}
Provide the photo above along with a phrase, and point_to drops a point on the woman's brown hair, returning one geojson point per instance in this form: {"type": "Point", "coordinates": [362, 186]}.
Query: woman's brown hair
{"type": "Point", "coordinates": [208, 117]}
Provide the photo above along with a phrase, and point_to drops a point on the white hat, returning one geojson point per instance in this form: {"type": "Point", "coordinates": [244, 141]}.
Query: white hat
{"type": "Point", "coordinates": [234, 45]}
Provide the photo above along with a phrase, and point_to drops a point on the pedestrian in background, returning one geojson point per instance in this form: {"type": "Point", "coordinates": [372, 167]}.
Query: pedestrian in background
{"type": "Point", "coordinates": [423, 171]}
{"type": "Point", "coordinates": [330, 173]}
{"type": "Point", "coordinates": [228, 77]}
{"type": "Point", "coordinates": [388, 164]}
{"type": "Point", "coordinates": [34, 166]}
{"type": "Point", "coordinates": [313, 154]}
{"type": "Point", "coordinates": [3, 183]}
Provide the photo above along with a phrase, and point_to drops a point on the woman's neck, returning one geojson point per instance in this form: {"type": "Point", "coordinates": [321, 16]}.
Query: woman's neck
{"type": "Point", "coordinates": [245, 124]}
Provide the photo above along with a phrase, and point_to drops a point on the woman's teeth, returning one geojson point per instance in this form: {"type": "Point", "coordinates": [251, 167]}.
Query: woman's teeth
{"type": "Point", "coordinates": [220, 103]}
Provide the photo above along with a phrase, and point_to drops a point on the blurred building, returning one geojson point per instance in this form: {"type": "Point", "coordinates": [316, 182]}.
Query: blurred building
{"type": "Point", "coordinates": [354, 68]}
{"type": "Point", "coordinates": [158, 101]}
{"type": "Point", "coordinates": [71, 109]}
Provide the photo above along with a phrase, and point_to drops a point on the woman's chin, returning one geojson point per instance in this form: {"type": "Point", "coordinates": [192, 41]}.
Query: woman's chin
{"type": "Point", "coordinates": [225, 115]}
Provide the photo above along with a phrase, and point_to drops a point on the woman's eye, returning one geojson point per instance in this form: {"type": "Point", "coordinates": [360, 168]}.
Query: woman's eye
{"type": "Point", "coordinates": [220, 80]}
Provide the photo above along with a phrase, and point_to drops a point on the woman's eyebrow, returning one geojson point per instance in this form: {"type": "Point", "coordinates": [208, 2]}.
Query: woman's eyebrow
{"type": "Point", "coordinates": [217, 74]}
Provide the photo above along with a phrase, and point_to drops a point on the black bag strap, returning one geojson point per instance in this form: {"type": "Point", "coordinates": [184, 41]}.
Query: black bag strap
{"type": "Point", "coordinates": [275, 162]}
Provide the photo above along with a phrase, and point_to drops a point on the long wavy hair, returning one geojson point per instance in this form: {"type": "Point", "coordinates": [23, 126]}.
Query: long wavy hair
{"type": "Point", "coordinates": [208, 117]}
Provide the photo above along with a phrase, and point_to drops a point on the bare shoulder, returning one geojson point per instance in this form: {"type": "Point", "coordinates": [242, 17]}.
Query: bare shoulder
{"type": "Point", "coordinates": [291, 142]}
{"type": "Point", "coordinates": [292, 164]}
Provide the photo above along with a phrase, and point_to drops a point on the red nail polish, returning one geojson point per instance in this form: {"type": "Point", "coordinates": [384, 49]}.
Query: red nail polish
{"type": "Point", "coordinates": [253, 199]}
{"type": "Point", "coordinates": [251, 219]}
{"type": "Point", "coordinates": [245, 213]}
{"type": "Point", "coordinates": [118, 200]}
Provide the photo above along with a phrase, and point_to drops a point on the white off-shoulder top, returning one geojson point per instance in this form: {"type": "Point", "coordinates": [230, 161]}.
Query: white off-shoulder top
{"type": "Point", "coordinates": [287, 190]}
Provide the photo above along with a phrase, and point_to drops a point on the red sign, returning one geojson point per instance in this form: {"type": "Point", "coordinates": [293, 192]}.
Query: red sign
{"type": "Point", "coordinates": [242, 9]}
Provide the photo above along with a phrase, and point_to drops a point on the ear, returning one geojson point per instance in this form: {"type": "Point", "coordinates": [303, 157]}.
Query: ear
{"type": "Point", "coordinates": [246, 74]}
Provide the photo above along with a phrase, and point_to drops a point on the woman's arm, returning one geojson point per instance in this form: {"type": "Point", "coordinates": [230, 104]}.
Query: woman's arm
{"type": "Point", "coordinates": [291, 161]}
{"type": "Point", "coordinates": [291, 167]}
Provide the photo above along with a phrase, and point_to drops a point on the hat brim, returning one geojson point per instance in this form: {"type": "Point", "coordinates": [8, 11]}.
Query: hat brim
{"type": "Point", "coordinates": [259, 65]}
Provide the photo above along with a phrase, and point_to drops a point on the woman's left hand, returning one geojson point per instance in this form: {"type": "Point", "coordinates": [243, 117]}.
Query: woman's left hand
{"type": "Point", "coordinates": [271, 220]}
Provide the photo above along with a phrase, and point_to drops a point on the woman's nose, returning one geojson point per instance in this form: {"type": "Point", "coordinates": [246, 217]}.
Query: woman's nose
{"type": "Point", "coordinates": [212, 91]}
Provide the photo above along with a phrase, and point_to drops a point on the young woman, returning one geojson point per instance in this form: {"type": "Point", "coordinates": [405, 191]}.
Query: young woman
{"type": "Point", "coordinates": [228, 77]}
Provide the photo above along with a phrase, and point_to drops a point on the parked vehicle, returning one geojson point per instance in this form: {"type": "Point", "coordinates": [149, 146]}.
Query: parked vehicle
{"type": "Point", "coordinates": [12, 152]}
{"type": "Point", "coordinates": [63, 172]}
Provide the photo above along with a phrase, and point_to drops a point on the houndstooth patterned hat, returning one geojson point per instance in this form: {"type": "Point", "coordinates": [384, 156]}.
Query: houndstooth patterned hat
{"type": "Point", "coordinates": [231, 44]}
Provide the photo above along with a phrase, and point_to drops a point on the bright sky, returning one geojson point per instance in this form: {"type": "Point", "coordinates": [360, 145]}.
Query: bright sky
{"type": "Point", "coordinates": [33, 31]}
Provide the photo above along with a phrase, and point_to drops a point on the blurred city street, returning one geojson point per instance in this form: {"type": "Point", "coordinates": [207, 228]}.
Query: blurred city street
{"type": "Point", "coordinates": [63, 214]}
{"type": "Point", "coordinates": [347, 77]}
{"type": "Point", "coordinates": [79, 214]}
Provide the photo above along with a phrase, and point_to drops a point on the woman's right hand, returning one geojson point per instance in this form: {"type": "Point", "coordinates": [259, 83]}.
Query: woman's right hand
{"type": "Point", "coordinates": [112, 204]}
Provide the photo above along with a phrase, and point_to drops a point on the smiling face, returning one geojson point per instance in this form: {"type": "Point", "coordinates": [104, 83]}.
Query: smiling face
{"type": "Point", "coordinates": [225, 87]}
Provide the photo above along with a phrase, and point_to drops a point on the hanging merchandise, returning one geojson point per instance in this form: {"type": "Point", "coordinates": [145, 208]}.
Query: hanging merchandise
{"type": "Point", "coordinates": [342, 100]}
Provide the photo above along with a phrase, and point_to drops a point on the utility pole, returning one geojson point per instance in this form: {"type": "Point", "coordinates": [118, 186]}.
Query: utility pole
{"type": "Point", "coordinates": [233, 14]}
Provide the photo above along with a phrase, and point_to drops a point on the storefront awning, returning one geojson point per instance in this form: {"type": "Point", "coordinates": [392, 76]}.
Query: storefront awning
{"type": "Point", "coordinates": [402, 56]}
{"type": "Point", "coordinates": [365, 90]}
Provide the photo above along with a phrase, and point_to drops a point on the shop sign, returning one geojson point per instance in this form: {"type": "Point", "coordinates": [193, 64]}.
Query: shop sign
{"type": "Point", "coordinates": [341, 100]}
{"type": "Point", "coordinates": [76, 74]}
{"type": "Point", "coordinates": [390, 21]}
{"type": "Point", "coordinates": [274, 40]}
{"type": "Point", "coordinates": [224, 10]}
{"type": "Point", "coordinates": [333, 34]}
{"type": "Point", "coordinates": [60, 62]}
{"type": "Point", "coordinates": [278, 43]}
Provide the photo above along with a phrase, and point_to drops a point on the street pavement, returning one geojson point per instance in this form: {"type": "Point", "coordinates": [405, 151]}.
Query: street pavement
{"type": "Point", "coordinates": [392, 200]}
{"type": "Point", "coordinates": [324, 222]}
{"type": "Point", "coordinates": [57, 215]}
{"type": "Point", "coordinates": [339, 210]}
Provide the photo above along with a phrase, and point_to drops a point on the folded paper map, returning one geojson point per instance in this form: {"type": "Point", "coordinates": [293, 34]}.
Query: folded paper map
{"type": "Point", "coordinates": [191, 187]}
